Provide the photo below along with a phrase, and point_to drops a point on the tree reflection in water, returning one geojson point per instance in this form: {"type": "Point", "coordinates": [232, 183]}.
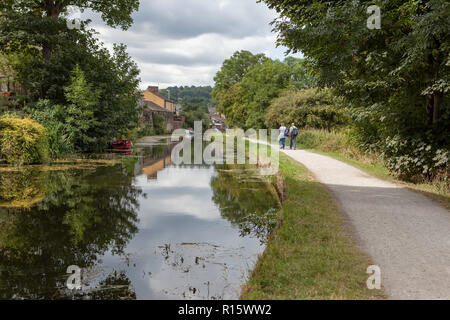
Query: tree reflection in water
{"type": "Point", "coordinates": [247, 200]}
{"type": "Point", "coordinates": [62, 219]}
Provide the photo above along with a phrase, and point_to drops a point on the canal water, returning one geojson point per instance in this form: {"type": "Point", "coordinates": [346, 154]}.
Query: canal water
{"type": "Point", "coordinates": [142, 229]}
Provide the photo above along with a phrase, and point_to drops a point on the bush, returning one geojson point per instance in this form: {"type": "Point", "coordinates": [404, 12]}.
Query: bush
{"type": "Point", "coordinates": [138, 132]}
{"type": "Point", "coordinates": [60, 134]}
{"type": "Point", "coordinates": [413, 159]}
{"type": "Point", "coordinates": [22, 188]}
{"type": "Point", "coordinates": [22, 141]}
{"type": "Point", "coordinates": [159, 124]}
{"type": "Point", "coordinates": [308, 108]}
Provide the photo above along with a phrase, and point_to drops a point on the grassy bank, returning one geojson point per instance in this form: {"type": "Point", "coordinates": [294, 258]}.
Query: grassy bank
{"type": "Point", "coordinates": [310, 256]}
{"type": "Point", "coordinates": [336, 145]}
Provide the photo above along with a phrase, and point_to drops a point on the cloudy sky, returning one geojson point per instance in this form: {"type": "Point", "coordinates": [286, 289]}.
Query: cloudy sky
{"type": "Point", "coordinates": [184, 42]}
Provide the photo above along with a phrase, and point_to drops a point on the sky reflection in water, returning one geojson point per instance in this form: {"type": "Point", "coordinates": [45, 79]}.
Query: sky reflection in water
{"type": "Point", "coordinates": [146, 230]}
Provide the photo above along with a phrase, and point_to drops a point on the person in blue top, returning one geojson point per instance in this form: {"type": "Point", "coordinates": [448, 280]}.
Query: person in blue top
{"type": "Point", "coordinates": [293, 133]}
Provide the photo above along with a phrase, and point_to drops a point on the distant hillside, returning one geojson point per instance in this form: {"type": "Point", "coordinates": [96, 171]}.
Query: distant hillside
{"type": "Point", "coordinates": [194, 102]}
{"type": "Point", "coordinates": [192, 94]}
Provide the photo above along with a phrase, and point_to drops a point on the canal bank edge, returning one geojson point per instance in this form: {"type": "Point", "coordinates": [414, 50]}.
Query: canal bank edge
{"type": "Point", "coordinates": [311, 254]}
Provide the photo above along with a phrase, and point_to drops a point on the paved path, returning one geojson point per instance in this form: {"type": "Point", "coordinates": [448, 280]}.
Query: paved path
{"type": "Point", "coordinates": [406, 233]}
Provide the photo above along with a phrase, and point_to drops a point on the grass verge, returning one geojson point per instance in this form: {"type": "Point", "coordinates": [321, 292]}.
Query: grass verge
{"type": "Point", "coordinates": [311, 255]}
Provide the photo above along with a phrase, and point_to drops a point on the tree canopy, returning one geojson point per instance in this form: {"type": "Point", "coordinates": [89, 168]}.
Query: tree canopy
{"type": "Point", "coordinates": [46, 51]}
{"type": "Point", "coordinates": [194, 101]}
{"type": "Point", "coordinates": [42, 23]}
{"type": "Point", "coordinates": [396, 78]}
{"type": "Point", "coordinates": [247, 83]}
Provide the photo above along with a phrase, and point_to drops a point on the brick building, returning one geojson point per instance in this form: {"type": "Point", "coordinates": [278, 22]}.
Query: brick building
{"type": "Point", "coordinates": [152, 95]}
{"type": "Point", "coordinates": [153, 103]}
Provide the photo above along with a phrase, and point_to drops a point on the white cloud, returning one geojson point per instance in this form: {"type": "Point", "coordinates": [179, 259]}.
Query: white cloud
{"type": "Point", "coordinates": [184, 42]}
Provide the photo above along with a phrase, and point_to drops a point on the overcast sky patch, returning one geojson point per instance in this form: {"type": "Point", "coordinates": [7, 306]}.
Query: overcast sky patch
{"type": "Point", "coordinates": [184, 42]}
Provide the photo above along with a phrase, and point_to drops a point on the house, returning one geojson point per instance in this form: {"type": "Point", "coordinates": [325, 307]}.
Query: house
{"type": "Point", "coordinates": [152, 95]}
{"type": "Point", "coordinates": [153, 103]}
{"type": "Point", "coordinates": [217, 120]}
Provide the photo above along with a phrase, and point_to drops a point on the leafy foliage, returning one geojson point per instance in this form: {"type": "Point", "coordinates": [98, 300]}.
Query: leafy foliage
{"type": "Point", "coordinates": [195, 103]}
{"type": "Point", "coordinates": [26, 23]}
{"type": "Point", "coordinates": [186, 94]}
{"type": "Point", "coordinates": [48, 51]}
{"type": "Point", "coordinates": [247, 83]}
{"type": "Point", "coordinates": [159, 124]}
{"type": "Point", "coordinates": [69, 127]}
{"type": "Point", "coordinates": [231, 73]}
{"type": "Point", "coordinates": [413, 159]}
{"type": "Point", "coordinates": [22, 141]}
{"type": "Point", "coordinates": [308, 108]}
{"type": "Point", "coordinates": [396, 78]}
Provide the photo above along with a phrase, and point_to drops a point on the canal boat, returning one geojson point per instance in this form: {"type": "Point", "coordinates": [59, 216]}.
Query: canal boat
{"type": "Point", "coordinates": [122, 145]}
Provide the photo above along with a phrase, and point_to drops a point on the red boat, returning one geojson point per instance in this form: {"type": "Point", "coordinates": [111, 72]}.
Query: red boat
{"type": "Point", "coordinates": [122, 145]}
{"type": "Point", "coordinates": [7, 94]}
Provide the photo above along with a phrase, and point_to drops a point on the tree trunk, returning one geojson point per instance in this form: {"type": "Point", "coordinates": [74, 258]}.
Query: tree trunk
{"type": "Point", "coordinates": [47, 51]}
{"type": "Point", "coordinates": [430, 108]}
{"type": "Point", "coordinates": [434, 102]}
{"type": "Point", "coordinates": [53, 10]}
{"type": "Point", "coordinates": [437, 107]}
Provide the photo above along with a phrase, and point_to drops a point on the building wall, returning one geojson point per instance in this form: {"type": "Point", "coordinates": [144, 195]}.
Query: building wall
{"type": "Point", "coordinates": [172, 121]}
{"type": "Point", "coordinates": [151, 94]}
{"type": "Point", "coordinates": [148, 115]}
{"type": "Point", "coordinates": [170, 106]}
{"type": "Point", "coordinates": [178, 122]}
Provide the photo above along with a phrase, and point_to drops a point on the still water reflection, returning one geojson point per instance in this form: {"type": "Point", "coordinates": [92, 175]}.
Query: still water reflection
{"type": "Point", "coordinates": [144, 229]}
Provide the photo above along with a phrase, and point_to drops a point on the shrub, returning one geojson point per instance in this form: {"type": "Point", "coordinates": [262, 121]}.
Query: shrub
{"type": "Point", "coordinates": [338, 141]}
{"type": "Point", "coordinates": [413, 159]}
{"type": "Point", "coordinates": [159, 124]}
{"type": "Point", "coordinates": [22, 188]}
{"type": "Point", "coordinates": [308, 108]}
{"type": "Point", "coordinates": [23, 141]}
{"type": "Point", "coordinates": [60, 134]}
{"type": "Point", "coordinates": [71, 128]}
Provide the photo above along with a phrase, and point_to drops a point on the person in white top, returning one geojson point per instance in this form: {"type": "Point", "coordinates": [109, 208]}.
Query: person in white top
{"type": "Point", "coordinates": [282, 136]}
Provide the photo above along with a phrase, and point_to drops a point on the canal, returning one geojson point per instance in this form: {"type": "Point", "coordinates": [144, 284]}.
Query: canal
{"type": "Point", "coordinates": [143, 228]}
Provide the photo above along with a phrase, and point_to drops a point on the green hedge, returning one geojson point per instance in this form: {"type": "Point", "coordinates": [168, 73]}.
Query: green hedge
{"type": "Point", "coordinates": [308, 108]}
{"type": "Point", "coordinates": [22, 141]}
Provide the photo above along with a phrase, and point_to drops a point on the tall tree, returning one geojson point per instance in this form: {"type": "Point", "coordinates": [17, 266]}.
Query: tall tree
{"type": "Point", "coordinates": [39, 30]}
{"type": "Point", "coordinates": [232, 72]}
{"type": "Point", "coordinates": [396, 78]}
{"type": "Point", "coordinates": [408, 56]}
{"type": "Point", "coordinates": [39, 22]}
{"type": "Point", "coordinates": [247, 83]}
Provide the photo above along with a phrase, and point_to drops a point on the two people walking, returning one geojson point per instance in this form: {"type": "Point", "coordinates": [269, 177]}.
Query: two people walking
{"type": "Point", "coordinates": [291, 133]}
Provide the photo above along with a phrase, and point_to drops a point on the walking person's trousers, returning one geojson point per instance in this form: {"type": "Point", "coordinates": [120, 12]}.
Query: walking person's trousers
{"type": "Point", "coordinates": [283, 143]}
{"type": "Point", "coordinates": [294, 142]}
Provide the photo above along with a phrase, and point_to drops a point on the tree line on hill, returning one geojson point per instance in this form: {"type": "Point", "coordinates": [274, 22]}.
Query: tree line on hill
{"type": "Point", "coordinates": [194, 102]}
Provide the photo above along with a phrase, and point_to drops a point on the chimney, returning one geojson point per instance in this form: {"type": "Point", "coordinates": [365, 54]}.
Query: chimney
{"type": "Point", "coordinates": [153, 89]}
